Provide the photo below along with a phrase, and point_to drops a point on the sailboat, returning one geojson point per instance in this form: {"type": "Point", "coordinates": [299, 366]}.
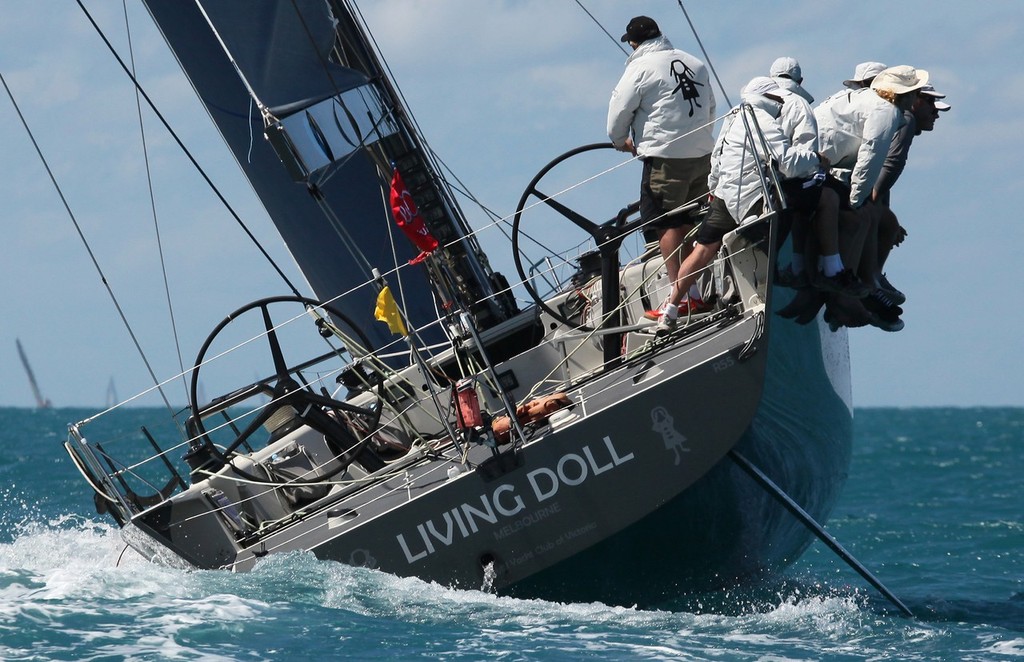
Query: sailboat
{"type": "Point", "coordinates": [42, 402]}
{"type": "Point", "coordinates": [435, 427]}
{"type": "Point", "coordinates": [112, 399]}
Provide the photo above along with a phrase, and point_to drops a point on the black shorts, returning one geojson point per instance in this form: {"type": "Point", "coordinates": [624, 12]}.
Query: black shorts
{"type": "Point", "coordinates": [802, 195]}
{"type": "Point", "coordinates": [719, 222]}
{"type": "Point", "coordinates": [841, 188]}
{"type": "Point", "coordinates": [716, 224]}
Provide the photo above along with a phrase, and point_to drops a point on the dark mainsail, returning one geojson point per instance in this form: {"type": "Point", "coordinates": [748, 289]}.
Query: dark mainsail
{"type": "Point", "coordinates": [303, 74]}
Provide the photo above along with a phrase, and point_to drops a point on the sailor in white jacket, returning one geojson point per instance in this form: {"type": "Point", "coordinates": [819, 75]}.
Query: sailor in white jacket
{"type": "Point", "coordinates": [855, 129]}
{"type": "Point", "coordinates": [802, 190]}
{"type": "Point", "coordinates": [663, 110]}
{"type": "Point", "coordinates": [664, 99]}
{"type": "Point", "coordinates": [786, 72]}
{"type": "Point", "coordinates": [735, 180]}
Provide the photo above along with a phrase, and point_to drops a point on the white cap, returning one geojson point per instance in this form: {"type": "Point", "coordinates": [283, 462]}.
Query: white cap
{"type": "Point", "coordinates": [760, 85]}
{"type": "Point", "coordinates": [863, 72]}
{"type": "Point", "coordinates": [786, 67]}
{"type": "Point", "coordinates": [930, 91]}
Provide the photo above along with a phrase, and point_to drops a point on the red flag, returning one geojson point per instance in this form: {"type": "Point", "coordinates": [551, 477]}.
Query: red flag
{"type": "Point", "coordinates": [409, 219]}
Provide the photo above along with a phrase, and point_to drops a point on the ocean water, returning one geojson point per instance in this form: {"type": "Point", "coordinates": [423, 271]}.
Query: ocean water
{"type": "Point", "coordinates": [934, 507]}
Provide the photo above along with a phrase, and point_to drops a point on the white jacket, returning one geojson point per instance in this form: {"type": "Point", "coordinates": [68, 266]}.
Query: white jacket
{"type": "Point", "coordinates": [734, 168]}
{"type": "Point", "coordinates": [798, 124]}
{"type": "Point", "coordinates": [790, 85]}
{"type": "Point", "coordinates": [855, 129]}
{"type": "Point", "coordinates": [665, 98]}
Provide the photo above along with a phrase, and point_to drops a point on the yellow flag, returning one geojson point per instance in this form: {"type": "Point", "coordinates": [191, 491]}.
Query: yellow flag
{"type": "Point", "coordinates": [387, 311]}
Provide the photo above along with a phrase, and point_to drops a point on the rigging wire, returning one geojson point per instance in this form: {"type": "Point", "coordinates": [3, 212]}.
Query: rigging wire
{"type": "Point", "coordinates": [444, 190]}
{"type": "Point", "coordinates": [188, 154]}
{"type": "Point", "coordinates": [707, 58]}
{"type": "Point", "coordinates": [85, 242]}
{"type": "Point", "coordinates": [152, 203]}
{"type": "Point", "coordinates": [615, 41]}
{"type": "Point", "coordinates": [693, 29]}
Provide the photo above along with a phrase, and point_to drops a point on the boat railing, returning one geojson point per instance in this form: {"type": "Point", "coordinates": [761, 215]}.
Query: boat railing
{"type": "Point", "coordinates": [417, 401]}
{"type": "Point", "coordinates": [107, 473]}
{"type": "Point", "coordinates": [128, 479]}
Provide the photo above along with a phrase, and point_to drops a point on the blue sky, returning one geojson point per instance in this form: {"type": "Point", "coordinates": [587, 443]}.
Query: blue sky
{"type": "Point", "coordinates": [498, 88]}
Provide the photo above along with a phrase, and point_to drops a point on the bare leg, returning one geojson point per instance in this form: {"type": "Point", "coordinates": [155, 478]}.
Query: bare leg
{"type": "Point", "coordinates": [673, 248]}
{"type": "Point", "coordinates": [700, 257]}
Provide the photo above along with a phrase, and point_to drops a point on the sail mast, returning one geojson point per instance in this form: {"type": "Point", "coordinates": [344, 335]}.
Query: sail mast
{"type": "Point", "coordinates": [41, 402]}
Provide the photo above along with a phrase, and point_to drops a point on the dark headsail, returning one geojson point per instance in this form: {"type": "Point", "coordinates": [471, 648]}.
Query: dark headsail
{"type": "Point", "coordinates": [304, 74]}
{"type": "Point", "coordinates": [41, 402]}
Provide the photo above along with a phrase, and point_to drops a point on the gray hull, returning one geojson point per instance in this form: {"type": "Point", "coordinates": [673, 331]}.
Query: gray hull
{"type": "Point", "coordinates": [628, 497]}
{"type": "Point", "coordinates": [726, 530]}
{"type": "Point", "coordinates": [634, 455]}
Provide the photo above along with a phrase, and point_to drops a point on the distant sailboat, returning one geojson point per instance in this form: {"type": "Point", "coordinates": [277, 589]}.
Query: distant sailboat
{"type": "Point", "coordinates": [112, 400]}
{"type": "Point", "coordinates": [41, 402]}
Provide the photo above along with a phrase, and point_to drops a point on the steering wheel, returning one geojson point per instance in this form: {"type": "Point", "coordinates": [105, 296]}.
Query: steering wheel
{"type": "Point", "coordinates": [283, 389]}
{"type": "Point", "coordinates": [598, 232]}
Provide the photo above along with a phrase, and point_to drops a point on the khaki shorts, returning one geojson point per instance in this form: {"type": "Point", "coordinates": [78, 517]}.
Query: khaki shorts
{"type": "Point", "coordinates": [670, 183]}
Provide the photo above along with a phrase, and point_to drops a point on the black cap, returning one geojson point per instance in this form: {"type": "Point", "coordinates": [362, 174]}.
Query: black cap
{"type": "Point", "coordinates": [640, 29]}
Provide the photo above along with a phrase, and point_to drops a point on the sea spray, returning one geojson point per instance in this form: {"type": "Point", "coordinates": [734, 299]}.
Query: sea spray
{"type": "Point", "coordinates": [932, 506]}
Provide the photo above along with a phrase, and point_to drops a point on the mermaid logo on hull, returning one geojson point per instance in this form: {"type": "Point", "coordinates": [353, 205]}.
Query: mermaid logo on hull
{"type": "Point", "coordinates": [509, 500]}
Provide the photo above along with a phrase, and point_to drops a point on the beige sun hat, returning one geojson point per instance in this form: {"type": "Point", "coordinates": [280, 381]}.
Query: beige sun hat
{"type": "Point", "coordinates": [900, 79]}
